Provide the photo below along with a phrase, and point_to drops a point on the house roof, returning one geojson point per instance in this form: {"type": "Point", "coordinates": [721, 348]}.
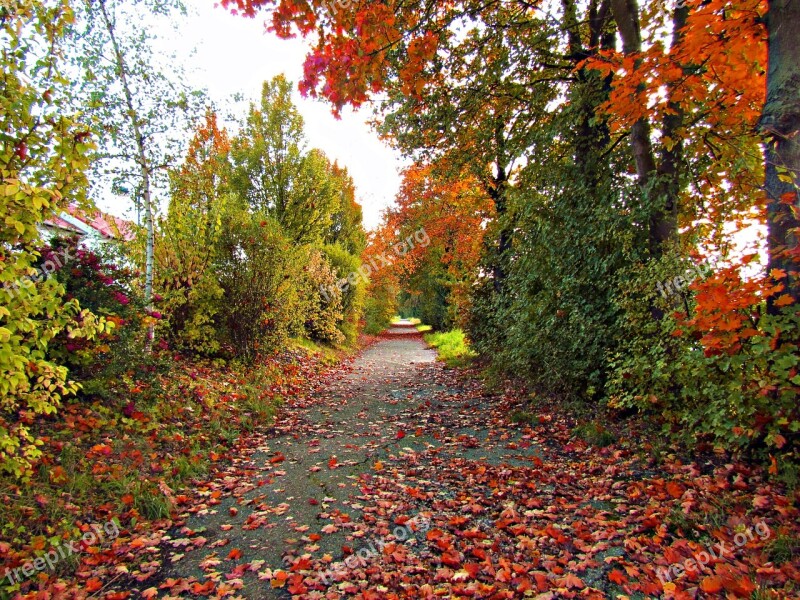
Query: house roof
{"type": "Point", "coordinates": [79, 221]}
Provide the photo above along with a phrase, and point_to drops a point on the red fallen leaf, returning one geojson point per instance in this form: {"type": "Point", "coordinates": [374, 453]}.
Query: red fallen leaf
{"type": "Point", "coordinates": [451, 558]}
{"type": "Point", "coordinates": [333, 463]}
{"type": "Point", "coordinates": [711, 584]}
{"type": "Point", "coordinates": [104, 449]}
{"type": "Point", "coordinates": [537, 461]}
{"type": "Point", "coordinates": [473, 569]}
{"type": "Point", "coordinates": [278, 458]}
{"type": "Point", "coordinates": [297, 586]}
{"type": "Point", "coordinates": [761, 502]}
{"type": "Point", "coordinates": [234, 554]}
{"type": "Point", "coordinates": [542, 582]}
{"type": "Point", "coordinates": [204, 589]}
{"type": "Point", "coordinates": [479, 553]}
{"type": "Point", "coordinates": [279, 579]}
{"type": "Point", "coordinates": [233, 511]}
{"type": "Point", "coordinates": [418, 432]}
{"type": "Point", "coordinates": [618, 577]}
{"type": "Point", "coordinates": [150, 593]}
{"type": "Point", "coordinates": [400, 434]}
{"type": "Point", "coordinates": [301, 564]}
{"type": "Point", "coordinates": [315, 537]}
{"type": "Point", "coordinates": [571, 581]}
{"type": "Point", "coordinates": [674, 489]}
{"type": "Point", "coordinates": [93, 584]}
{"type": "Point", "coordinates": [313, 501]}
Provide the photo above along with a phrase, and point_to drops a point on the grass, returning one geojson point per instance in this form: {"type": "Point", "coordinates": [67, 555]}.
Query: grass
{"type": "Point", "coordinates": [117, 455]}
{"type": "Point", "coordinates": [595, 434]}
{"type": "Point", "coordinates": [452, 347]}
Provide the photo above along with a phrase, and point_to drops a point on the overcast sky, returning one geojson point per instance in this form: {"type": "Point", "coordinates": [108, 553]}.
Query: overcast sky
{"type": "Point", "coordinates": [235, 55]}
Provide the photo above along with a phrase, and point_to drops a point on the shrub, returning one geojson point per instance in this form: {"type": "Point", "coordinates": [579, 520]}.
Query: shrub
{"type": "Point", "coordinates": [101, 282]}
{"type": "Point", "coordinates": [452, 346]}
{"type": "Point", "coordinates": [353, 296]}
{"type": "Point", "coordinates": [322, 312]}
{"type": "Point", "coordinates": [718, 364]}
{"type": "Point", "coordinates": [257, 268]}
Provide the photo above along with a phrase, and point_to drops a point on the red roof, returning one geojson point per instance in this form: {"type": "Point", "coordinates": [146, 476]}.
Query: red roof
{"type": "Point", "coordinates": [107, 225]}
{"type": "Point", "coordinates": [61, 224]}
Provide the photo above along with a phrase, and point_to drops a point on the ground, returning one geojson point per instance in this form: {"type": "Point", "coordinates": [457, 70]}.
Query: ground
{"type": "Point", "coordinates": [397, 477]}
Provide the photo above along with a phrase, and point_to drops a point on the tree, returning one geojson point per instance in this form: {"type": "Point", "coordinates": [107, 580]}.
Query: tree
{"type": "Point", "coordinates": [136, 110]}
{"type": "Point", "coordinates": [273, 172]}
{"type": "Point", "coordinates": [780, 122]}
{"type": "Point", "coordinates": [189, 236]}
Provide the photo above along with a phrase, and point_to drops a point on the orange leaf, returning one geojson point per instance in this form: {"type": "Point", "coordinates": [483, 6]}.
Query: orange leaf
{"type": "Point", "coordinates": [235, 554]}
{"type": "Point", "coordinates": [93, 584]}
{"type": "Point", "coordinates": [674, 489]}
{"type": "Point", "coordinates": [618, 577]}
{"type": "Point", "coordinates": [784, 300]}
{"type": "Point", "coordinates": [711, 584]}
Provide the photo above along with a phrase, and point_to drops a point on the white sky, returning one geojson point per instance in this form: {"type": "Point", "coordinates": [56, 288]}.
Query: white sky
{"type": "Point", "coordinates": [236, 55]}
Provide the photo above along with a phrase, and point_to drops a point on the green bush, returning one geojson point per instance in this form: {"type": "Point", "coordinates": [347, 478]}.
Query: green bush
{"type": "Point", "coordinates": [322, 312]}
{"type": "Point", "coordinates": [353, 295]}
{"type": "Point", "coordinates": [452, 346]}
{"type": "Point", "coordinates": [741, 394]}
{"type": "Point", "coordinates": [257, 268]}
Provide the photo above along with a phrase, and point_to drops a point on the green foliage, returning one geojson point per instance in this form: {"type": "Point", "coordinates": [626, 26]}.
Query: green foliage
{"type": "Point", "coordinates": [379, 308]}
{"type": "Point", "coordinates": [256, 266]}
{"type": "Point", "coordinates": [353, 296]}
{"type": "Point", "coordinates": [273, 173]}
{"type": "Point", "coordinates": [188, 240]}
{"type": "Point", "coordinates": [741, 396]}
{"type": "Point", "coordinates": [322, 312]}
{"type": "Point", "coordinates": [595, 434]}
{"type": "Point", "coordinates": [451, 346]}
{"type": "Point", "coordinates": [42, 162]}
{"type": "Point", "coordinates": [553, 320]}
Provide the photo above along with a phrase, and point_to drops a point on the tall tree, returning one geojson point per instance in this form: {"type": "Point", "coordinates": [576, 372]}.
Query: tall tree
{"type": "Point", "coordinates": [274, 173]}
{"type": "Point", "coordinates": [138, 112]}
{"type": "Point", "coordinates": [780, 122]}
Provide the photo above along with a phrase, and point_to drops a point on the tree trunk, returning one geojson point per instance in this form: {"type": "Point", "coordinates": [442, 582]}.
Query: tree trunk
{"type": "Point", "coordinates": [662, 200]}
{"type": "Point", "coordinates": [144, 164]}
{"type": "Point", "coordinates": [780, 122]}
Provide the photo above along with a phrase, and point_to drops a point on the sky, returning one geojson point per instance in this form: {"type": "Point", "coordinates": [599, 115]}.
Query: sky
{"type": "Point", "coordinates": [236, 55]}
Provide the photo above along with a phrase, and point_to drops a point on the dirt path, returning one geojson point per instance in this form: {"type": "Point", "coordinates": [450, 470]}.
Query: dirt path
{"type": "Point", "coordinates": [300, 491]}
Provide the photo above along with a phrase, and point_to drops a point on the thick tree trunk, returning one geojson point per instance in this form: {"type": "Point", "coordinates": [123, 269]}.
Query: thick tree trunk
{"type": "Point", "coordinates": [780, 122]}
